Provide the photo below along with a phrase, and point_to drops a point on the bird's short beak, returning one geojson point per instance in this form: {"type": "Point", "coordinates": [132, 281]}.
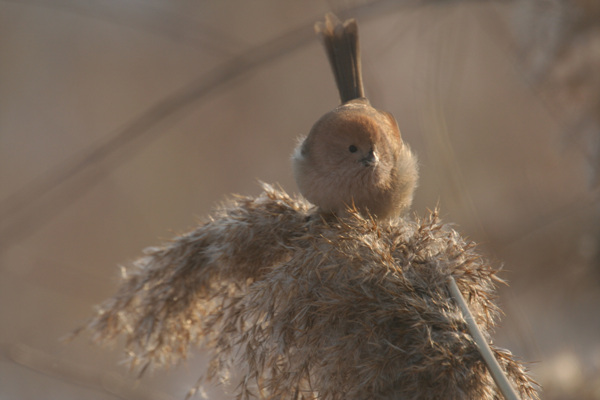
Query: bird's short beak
{"type": "Point", "coordinates": [369, 159]}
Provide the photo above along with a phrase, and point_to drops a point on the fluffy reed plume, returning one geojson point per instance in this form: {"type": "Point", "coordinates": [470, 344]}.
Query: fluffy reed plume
{"type": "Point", "coordinates": [306, 307]}
{"type": "Point", "coordinates": [560, 47]}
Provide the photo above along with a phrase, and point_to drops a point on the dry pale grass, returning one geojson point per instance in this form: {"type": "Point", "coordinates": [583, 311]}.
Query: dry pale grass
{"type": "Point", "coordinates": [310, 307]}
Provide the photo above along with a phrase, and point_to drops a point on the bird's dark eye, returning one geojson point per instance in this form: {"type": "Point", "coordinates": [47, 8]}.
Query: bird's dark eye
{"type": "Point", "coordinates": [352, 148]}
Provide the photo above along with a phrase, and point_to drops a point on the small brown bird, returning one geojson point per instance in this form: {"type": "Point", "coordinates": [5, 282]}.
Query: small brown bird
{"type": "Point", "coordinates": [354, 155]}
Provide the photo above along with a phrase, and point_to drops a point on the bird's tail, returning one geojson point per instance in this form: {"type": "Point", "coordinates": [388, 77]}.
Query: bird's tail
{"type": "Point", "coordinates": [341, 44]}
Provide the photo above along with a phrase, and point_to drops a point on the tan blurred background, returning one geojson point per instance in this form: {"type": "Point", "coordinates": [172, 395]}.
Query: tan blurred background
{"type": "Point", "coordinates": [124, 122]}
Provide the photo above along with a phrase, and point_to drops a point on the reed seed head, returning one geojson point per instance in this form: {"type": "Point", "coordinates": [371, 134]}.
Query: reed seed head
{"type": "Point", "coordinates": [308, 307]}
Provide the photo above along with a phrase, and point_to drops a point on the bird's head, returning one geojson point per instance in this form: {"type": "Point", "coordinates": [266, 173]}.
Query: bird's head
{"type": "Point", "coordinates": [349, 157]}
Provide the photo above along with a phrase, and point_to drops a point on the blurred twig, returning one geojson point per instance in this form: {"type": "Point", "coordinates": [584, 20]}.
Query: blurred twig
{"type": "Point", "coordinates": [19, 212]}
{"type": "Point", "coordinates": [138, 128]}
{"type": "Point", "coordinates": [77, 374]}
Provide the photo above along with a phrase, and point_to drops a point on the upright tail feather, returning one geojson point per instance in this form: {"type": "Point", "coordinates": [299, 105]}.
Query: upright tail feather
{"type": "Point", "coordinates": [342, 47]}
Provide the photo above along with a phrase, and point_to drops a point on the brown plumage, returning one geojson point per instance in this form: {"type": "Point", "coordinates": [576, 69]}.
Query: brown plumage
{"type": "Point", "coordinates": [354, 155]}
{"type": "Point", "coordinates": [308, 307]}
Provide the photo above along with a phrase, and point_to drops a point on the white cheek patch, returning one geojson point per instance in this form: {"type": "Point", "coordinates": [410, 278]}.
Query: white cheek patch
{"type": "Point", "coordinates": [297, 155]}
{"type": "Point", "coordinates": [300, 152]}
